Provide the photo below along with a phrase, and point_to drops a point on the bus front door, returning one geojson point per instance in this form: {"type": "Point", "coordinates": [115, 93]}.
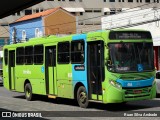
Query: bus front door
{"type": "Point", "coordinates": [95, 57]}
{"type": "Point", "coordinates": [50, 70]}
{"type": "Point", "coordinates": [12, 70]}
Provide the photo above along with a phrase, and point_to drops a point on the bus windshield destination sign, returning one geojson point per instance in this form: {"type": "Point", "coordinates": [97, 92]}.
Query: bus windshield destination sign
{"type": "Point", "coordinates": [129, 35]}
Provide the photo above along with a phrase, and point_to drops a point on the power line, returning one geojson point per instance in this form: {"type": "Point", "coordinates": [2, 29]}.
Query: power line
{"type": "Point", "coordinates": [124, 11]}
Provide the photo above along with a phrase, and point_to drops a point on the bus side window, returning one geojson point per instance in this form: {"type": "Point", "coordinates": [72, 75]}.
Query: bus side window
{"type": "Point", "coordinates": [38, 54]}
{"type": "Point", "coordinates": [63, 52]}
{"type": "Point", "coordinates": [29, 55]}
{"type": "Point", "coordinates": [77, 52]}
{"type": "Point", "coordinates": [20, 55]}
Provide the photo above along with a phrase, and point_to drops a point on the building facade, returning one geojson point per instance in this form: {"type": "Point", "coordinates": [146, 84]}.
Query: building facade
{"type": "Point", "coordinates": [89, 12]}
{"type": "Point", "coordinates": [49, 22]}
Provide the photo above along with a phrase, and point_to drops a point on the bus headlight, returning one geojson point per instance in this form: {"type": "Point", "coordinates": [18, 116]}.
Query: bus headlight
{"type": "Point", "coordinates": [115, 84]}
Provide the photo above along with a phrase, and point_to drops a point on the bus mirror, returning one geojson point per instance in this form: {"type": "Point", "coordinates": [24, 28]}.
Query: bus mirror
{"type": "Point", "coordinates": [158, 75]}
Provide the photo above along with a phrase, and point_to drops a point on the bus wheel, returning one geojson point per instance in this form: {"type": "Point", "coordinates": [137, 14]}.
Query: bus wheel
{"type": "Point", "coordinates": [82, 97]}
{"type": "Point", "coordinates": [28, 92]}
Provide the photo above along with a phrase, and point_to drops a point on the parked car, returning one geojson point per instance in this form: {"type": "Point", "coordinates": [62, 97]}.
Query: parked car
{"type": "Point", "coordinates": [1, 76]}
{"type": "Point", "coordinates": [158, 82]}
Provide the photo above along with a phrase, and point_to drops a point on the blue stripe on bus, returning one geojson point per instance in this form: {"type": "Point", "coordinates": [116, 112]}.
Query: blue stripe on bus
{"type": "Point", "coordinates": [80, 76]}
{"type": "Point", "coordinates": [136, 83]}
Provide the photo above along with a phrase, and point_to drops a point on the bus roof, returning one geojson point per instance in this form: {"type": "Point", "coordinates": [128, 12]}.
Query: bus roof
{"type": "Point", "coordinates": [53, 38]}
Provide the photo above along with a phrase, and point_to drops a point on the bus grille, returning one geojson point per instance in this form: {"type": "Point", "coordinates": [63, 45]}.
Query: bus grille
{"type": "Point", "coordinates": [138, 92]}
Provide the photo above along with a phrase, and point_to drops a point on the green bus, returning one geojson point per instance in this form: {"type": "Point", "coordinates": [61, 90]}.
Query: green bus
{"type": "Point", "coordinates": [107, 66]}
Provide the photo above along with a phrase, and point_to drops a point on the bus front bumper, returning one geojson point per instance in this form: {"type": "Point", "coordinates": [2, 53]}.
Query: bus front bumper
{"type": "Point", "coordinates": [115, 95]}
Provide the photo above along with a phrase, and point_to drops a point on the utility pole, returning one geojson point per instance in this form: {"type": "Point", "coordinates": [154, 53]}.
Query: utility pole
{"type": "Point", "coordinates": [14, 35]}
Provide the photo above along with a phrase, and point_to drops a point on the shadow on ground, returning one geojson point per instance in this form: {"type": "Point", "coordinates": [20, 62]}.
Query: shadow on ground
{"type": "Point", "coordinates": [134, 105]}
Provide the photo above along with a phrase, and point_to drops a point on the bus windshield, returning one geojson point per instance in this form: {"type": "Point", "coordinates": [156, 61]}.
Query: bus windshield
{"type": "Point", "coordinates": [131, 57]}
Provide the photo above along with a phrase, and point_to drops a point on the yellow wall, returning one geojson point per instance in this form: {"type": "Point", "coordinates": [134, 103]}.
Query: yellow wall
{"type": "Point", "coordinates": [55, 23]}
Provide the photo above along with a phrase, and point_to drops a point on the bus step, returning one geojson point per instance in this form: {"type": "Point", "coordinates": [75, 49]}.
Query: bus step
{"type": "Point", "coordinates": [95, 101]}
{"type": "Point", "coordinates": [52, 96]}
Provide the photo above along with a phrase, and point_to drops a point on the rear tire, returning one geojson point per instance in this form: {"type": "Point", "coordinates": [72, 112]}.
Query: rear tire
{"type": "Point", "coordinates": [82, 97]}
{"type": "Point", "coordinates": [28, 92]}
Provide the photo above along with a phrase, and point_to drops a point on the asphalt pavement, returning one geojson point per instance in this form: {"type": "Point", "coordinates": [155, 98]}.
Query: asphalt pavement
{"type": "Point", "coordinates": [45, 108]}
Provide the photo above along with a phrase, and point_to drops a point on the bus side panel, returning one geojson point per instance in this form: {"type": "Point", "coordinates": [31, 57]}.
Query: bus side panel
{"type": "Point", "coordinates": [64, 80]}
{"type": "Point", "coordinates": [80, 75]}
{"type": "Point", "coordinates": [5, 77]}
{"type": "Point", "coordinates": [33, 73]}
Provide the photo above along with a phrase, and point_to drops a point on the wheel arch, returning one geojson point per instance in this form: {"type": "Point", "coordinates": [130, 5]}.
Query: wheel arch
{"type": "Point", "coordinates": [25, 82]}
{"type": "Point", "coordinates": [77, 85]}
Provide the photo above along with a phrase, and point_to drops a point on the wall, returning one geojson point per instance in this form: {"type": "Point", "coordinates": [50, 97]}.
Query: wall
{"type": "Point", "coordinates": [55, 23]}
{"type": "Point", "coordinates": [29, 26]}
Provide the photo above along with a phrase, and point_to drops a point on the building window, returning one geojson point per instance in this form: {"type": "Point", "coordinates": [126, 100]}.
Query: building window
{"type": "Point", "coordinates": [139, 0]}
{"type": "Point", "coordinates": [81, 13]}
{"type": "Point", "coordinates": [28, 12]}
{"type": "Point", "coordinates": [112, 11]}
{"type": "Point", "coordinates": [38, 54]}
{"type": "Point", "coordinates": [111, 0]}
{"type": "Point", "coordinates": [156, 1]}
{"type": "Point", "coordinates": [74, 13]}
{"type": "Point", "coordinates": [104, 0]}
{"type": "Point", "coordinates": [106, 13]}
{"type": "Point", "coordinates": [130, 0]}
{"type": "Point", "coordinates": [88, 10]}
{"type": "Point", "coordinates": [77, 52]}
{"type": "Point", "coordinates": [63, 53]}
{"type": "Point", "coordinates": [121, 0]}
{"type": "Point", "coordinates": [37, 32]}
{"type": "Point", "coordinates": [71, 0]}
{"type": "Point", "coordinates": [6, 56]}
{"type": "Point", "coordinates": [20, 56]}
{"type": "Point", "coordinates": [96, 10]}
{"type": "Point", "coordinates": [97, 23]}
{"type": "Point", "coordinates": [80, 0]}
{"type": "Point", "coordinates": [29, 55]}
{"type": "Point", "coordinates": [37, 10]}
{"type": "Point", "coordinates": [147, 0]}
{"type": "Point", "coordinates": [23, 35]}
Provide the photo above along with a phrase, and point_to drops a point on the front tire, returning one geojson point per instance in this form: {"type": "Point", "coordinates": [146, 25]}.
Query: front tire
{"type": "Point", "coordinates": [82, 97]}
{"type": "Point", "coordinates": [28, 92]}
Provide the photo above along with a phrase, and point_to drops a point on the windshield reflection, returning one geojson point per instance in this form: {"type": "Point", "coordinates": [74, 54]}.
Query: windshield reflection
{"type": "Point", "coordinates": [129, 57]}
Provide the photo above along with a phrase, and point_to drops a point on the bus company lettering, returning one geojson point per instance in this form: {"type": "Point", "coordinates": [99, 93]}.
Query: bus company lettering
{"type": "Point", "coordinates": [79, 67]}
{"type": "Point", "coordinates": [26, 72]}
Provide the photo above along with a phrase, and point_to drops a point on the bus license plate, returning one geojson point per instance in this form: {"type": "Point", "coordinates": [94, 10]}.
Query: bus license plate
{"type": "Point", "coordinates": [137, 91]}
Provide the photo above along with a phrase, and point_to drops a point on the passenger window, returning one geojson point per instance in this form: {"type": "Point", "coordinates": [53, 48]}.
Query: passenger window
{"type": "Point", "coordinates": [63, 53]}
{"type": "Point", "coordinates": [20, 56]}
{"type": "Point", "coordinates": [77, 52]}
{"type": "Point", "coordinates": [38, 54]}
{"type": "Point", "coordinates": [29, 55]}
